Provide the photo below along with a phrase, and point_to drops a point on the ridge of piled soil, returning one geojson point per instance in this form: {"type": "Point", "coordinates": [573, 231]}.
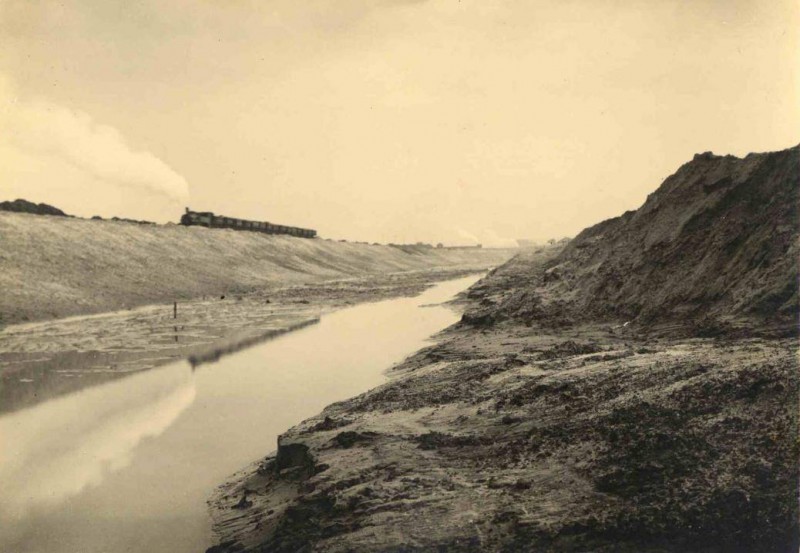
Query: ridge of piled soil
{"type": "Point", "coordinates": [714, 250]}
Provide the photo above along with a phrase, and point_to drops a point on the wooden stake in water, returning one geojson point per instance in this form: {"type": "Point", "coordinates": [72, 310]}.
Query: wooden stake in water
{"type": "Point", "coordinates": [175, 310]}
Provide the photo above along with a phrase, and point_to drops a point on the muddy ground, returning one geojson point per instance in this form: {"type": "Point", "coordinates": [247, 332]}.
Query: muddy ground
{"type": "Point", "coordinates": [45, 359]}
{"type": "Point", "coordinates": [507, 436]}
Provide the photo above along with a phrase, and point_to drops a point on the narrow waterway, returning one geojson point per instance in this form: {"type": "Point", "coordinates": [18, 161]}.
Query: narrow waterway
{"type": "Point", "coordinates": [127, 466]}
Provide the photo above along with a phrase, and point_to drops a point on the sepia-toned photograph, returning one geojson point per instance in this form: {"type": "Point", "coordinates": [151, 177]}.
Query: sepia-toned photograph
{"type": "Point", "coordinates": [399, 276]}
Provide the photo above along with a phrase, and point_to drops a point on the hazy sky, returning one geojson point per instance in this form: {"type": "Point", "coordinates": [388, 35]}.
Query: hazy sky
{"type": "Point", "coordinates": [386, 120]}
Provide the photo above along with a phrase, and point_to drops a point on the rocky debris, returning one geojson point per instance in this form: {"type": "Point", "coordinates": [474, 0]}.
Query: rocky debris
{"type": "Point", "coordinates": [294, 461]}
{"type": "Point", "coordinates": [437, 440]}
{"type": "Point", "coordinates": [479, 317]}
{"type": "Point", "coordinates": [244, 503]}
{"type": "Point", "coordinates": [349, 439]}
{"type": "Point", "coordinates": [24, 206]}
{"type": "Point", "coordinates": [569, 348]}
{"type": "Point", "coordinates": [329, 423]}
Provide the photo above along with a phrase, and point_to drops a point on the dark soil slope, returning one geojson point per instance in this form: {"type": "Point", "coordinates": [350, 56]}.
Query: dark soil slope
{"type": "Point", "coordinates": [713, 249]}
{"type": "Point", "coordinates": [633, 391]}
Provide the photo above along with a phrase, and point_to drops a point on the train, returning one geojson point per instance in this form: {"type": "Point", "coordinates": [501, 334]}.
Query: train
{"type": "Point", "coordinates": [208, 219]}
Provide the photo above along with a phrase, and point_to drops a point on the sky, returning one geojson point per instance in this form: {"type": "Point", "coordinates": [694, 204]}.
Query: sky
{"type": "Point", "coordinates": [455, 121]}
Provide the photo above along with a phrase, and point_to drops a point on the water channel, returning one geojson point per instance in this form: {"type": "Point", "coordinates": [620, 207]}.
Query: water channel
{"type": "Point", "coordinates": [127, 466]}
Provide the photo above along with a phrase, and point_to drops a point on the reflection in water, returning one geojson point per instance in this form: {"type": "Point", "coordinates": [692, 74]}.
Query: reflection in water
{"type": "Point", "coordinates": [25, 382]}
{"type": "Point", "coordinates": [243, 341]}
{"type": "Point", "coordinates": [59, 448]}
{"type": "Point", "coordinates": [128, 465]}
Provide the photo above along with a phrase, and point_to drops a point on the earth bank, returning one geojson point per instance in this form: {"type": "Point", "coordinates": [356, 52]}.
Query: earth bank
{"type": "Point", "coordinates": [54, 267]}
{"type": "Point", "coordinates": [636, 390]}
{"type": "Point", "coordinates": [512, 438]}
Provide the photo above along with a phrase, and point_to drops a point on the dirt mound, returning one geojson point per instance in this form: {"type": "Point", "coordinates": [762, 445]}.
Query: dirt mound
{"type": "Point", "coordinates": [24, 206]}
{"type": "Point", "coordinates": [712, 251]}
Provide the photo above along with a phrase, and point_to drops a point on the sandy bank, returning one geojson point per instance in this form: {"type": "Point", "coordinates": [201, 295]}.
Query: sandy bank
{"type": "Point", "coordinates": [53, 267]}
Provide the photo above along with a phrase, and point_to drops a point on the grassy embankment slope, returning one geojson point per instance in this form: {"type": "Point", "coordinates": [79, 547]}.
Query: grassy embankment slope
{"type": "Point", "coordinates": [636, 391]}
{"type": "Point", "coordinates": [55, 267]}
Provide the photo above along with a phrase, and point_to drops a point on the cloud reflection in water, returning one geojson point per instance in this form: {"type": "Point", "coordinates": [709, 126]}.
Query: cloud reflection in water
{"type": "Point", "coordinates": [56, 449]}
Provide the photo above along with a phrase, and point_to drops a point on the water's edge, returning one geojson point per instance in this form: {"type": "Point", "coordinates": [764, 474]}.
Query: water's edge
{"type": "Point", "coordinates": [129, 464]}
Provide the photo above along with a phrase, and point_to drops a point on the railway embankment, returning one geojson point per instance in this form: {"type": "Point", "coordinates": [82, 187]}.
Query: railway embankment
{"type": "Point", "coordinates": [53, 267]}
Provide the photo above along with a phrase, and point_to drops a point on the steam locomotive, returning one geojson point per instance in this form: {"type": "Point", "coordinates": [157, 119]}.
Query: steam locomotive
{"type": "Point", "coordinates": [208, 219]}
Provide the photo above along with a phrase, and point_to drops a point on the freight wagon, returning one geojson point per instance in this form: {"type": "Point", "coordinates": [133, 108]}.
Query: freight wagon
{"type": "Point", "coordinates": [208, 219]}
